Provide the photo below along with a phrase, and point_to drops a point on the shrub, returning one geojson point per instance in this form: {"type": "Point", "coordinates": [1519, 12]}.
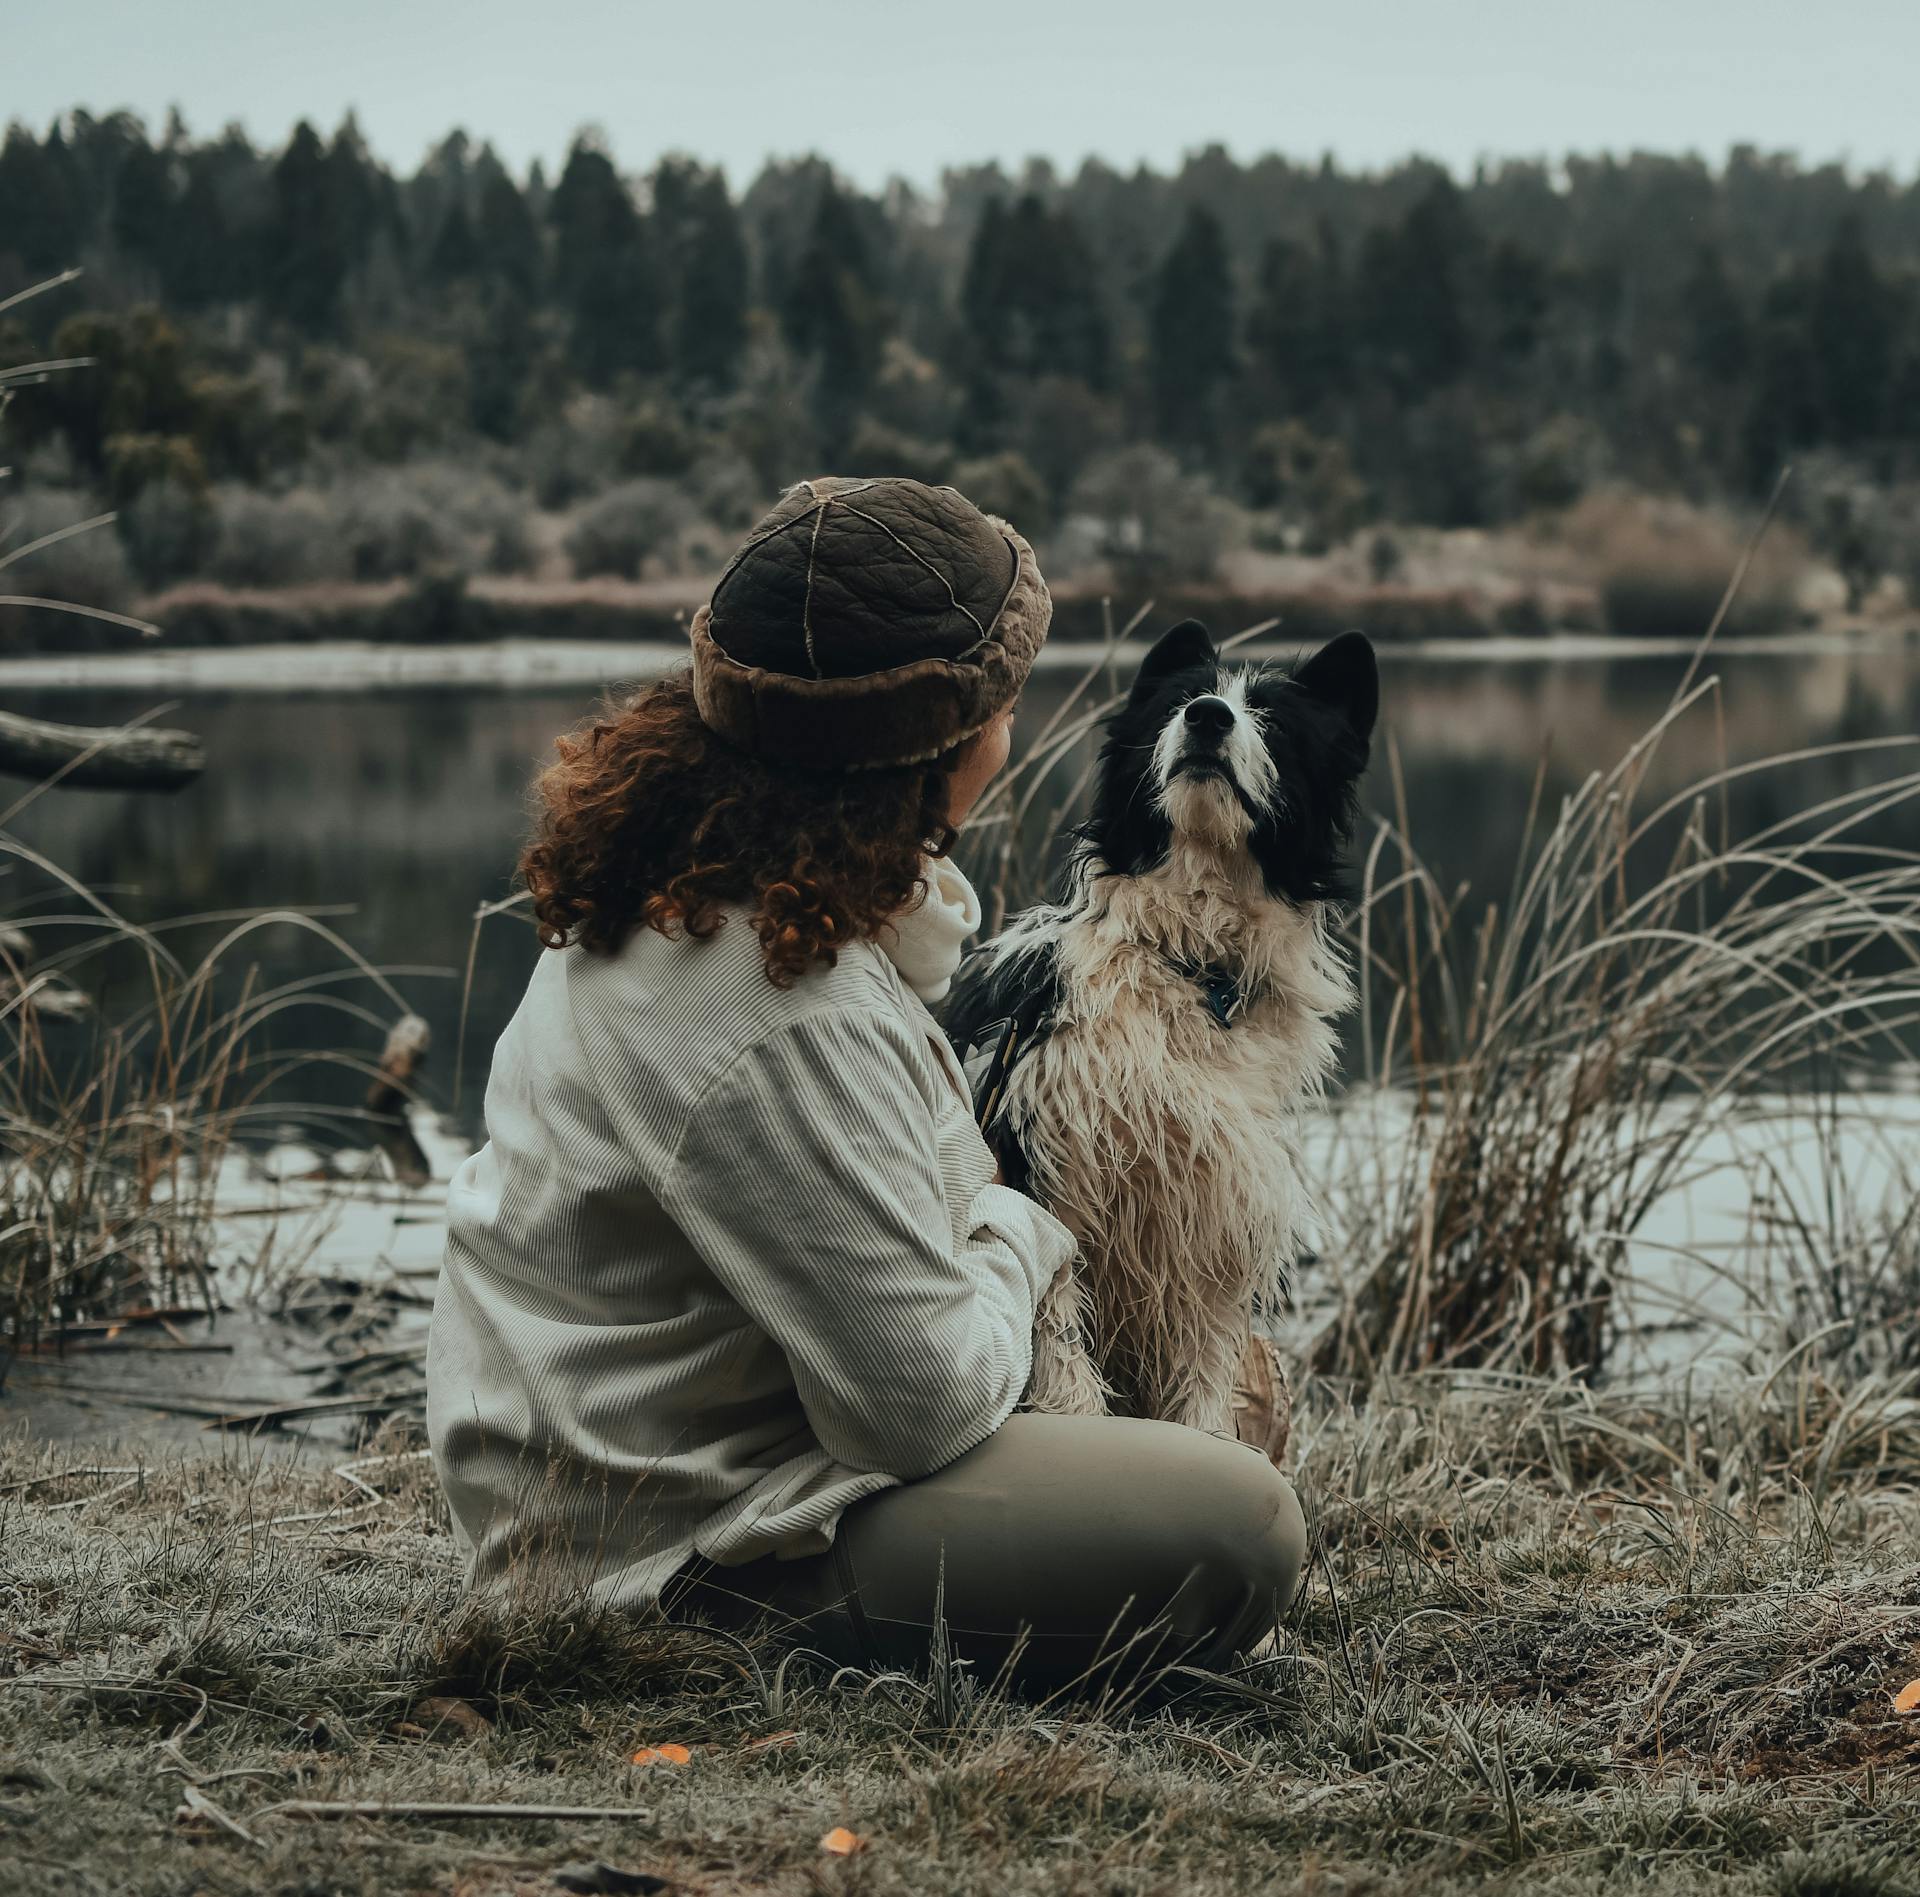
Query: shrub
{"type": "Point", "coordinates": [1061, 426]}
{"type": "Point", "coordinates": [877, 449]}
{"type": "Point", "coordinates": [1868, 529]}
{"type": "Point", "coordinates": [627, 526]}
{"type": "Point", "coordinates": [89, 569]}
{"type": "Point", "coordinates": [911, 395]}
{"type": "Point", "coordinates": [575, 453]}
{"type": "Point", "coordinates": [276, 540]}
{"type": "Point", "coordinates": [1386, 559]}
{"type": "Point", "coordinates": [169, 531]}
{"type": "Point", "coordinates": [653, 439]}
{"type": "Point", "coordinates": [769, 417]}
{"type": "Point", "coordinates": [1152, 523]}
{"type": "Point", "coordinates": [1524, 615]}
{"type": "Point", "coordinates": [134, 462]}
{"type": "Point", "coordinates": [1309, 481]}
{"type": "Point", "coordinates": [727, 491]}
{"type": "Point", "coordinates": [392, 529]}
{"type": "Point", "coordinates": [1661, 566]}
{"type": "Point", "coordinates": [1560, 461]}
{"type": "Point", "coordinates": [1007, 485]}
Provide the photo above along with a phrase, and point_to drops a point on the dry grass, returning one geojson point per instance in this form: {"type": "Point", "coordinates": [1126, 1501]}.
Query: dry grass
{"type": "Point", "coordinates": [116, 1121]}
{"type": "Point", "coordinates": [1550, 1640]}
{"type": "Point", "coordinates": [1660, 566]}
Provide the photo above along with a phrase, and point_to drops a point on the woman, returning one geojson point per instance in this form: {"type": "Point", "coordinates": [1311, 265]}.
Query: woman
{"type": "Point", "coordinates": [736, 1312]}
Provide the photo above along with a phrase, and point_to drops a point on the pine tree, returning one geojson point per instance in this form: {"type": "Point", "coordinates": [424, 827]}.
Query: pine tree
{"type": "Point", "coordinates": [40, 221]}
{"type": "Point", "coordinates": [711, 288]}
{"type": "Point", "coordinates": [306, 250]}
{"type": "Point", "coordinates": [505, 232]}
{"type": "Point", "coordinates": [364, 202]}
{"type": "Point", "coordinates": [1518, 300]}
{"type": "Point", "coordinates": [1288, 329]}
{"type": "Point", "coordinates": [199, 267]}
{"type": "Point", "coordinates": [1719, 338]}
{"type": "Point", "coordinates": [1850, 330]}
{"type": "Point", "coordinates": [1190, 329]}
{"type": "Point", "coordinates": [603, 270]}
{"type": "Point", "coordinates": [833, 311]}
{"type": "Point", "coordinates": [1030, 298]}
{"type": "Point", "coordinates": [1411, 295]}
{"type": "Point", "coordinates": [1784, 410]}
{"type": "Point", "coordinates": [143, 202]}
{"type": "Point", "coordinates": [456, 256]}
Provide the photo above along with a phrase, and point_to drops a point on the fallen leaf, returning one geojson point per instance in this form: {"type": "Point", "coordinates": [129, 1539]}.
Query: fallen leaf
{"type": "Point", "coordinates": [843, 1843]}
{"type": "Point", "coordinates": [459, 1713]}
{"type": "Point", "coordinates": [662, 1755]}
{"type": "Point", "coordinates": [1908, 1700]}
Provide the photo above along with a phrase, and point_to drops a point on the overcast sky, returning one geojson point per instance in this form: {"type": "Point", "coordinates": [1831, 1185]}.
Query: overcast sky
{"type": "Point", "coordinates": [885, 87]}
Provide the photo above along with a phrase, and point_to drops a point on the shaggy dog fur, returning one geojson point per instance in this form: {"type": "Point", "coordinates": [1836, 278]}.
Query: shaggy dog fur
{"type": "Point", "coordinates": [1176, 1012]}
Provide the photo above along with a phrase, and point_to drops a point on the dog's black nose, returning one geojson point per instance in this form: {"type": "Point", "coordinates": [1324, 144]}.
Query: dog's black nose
{"type": "Point", "coordinates": [1211, 715]}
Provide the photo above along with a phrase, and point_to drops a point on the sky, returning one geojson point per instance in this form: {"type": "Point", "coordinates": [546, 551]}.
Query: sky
{"type": "Point", "coordinates": [887, 88]}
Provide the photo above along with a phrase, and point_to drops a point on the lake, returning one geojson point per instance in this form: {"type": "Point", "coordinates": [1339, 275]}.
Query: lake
{"type": "Point", "coordinates": [395, 802]}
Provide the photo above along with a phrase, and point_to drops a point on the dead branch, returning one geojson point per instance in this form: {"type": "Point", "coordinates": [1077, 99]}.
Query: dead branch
{"type": "Point", "coordinates": [90, 758]}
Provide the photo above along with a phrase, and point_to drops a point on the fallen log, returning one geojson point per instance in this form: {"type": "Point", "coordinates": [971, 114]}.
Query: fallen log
{"type": "Point", "coordinates": [94, 758]}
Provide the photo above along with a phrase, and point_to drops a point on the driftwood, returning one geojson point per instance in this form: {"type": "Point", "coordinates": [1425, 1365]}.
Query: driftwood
{"type": "Point", "coordinates": [141, 758]}
{"type": "Point", "coordinates": [400, 1063]}
{"type": "Point", "coordinates": [357, 1808]}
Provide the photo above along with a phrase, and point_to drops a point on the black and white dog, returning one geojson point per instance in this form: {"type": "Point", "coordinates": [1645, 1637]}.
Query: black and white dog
{"type": "Point", "coordinates": [1172, 1020]}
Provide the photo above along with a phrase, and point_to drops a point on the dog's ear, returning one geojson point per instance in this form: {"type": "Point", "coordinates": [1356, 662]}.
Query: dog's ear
{"type": "Point", "coordinates": [1344, 673]}
{"type": "Point", "coordinates": [1179, 649]}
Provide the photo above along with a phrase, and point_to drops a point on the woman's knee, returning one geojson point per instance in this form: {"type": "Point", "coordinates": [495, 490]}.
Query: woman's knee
{"type": "Point", "coordinates": [1219, 1546]}
{"type": "Point", "coordinates": [1248, 1536]}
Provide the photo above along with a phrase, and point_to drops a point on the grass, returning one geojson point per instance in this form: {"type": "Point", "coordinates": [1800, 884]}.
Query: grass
{"type": "Point", "coordinates": [115, 1126]}
{"type": "Point", "coordinates": [1550, 1640]}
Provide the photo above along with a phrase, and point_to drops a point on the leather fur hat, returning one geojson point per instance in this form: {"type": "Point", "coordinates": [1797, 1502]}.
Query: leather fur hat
{"type": "Point", "coordinates": [866, 624]}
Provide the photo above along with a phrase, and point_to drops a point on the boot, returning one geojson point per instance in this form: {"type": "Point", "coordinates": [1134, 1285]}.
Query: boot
{"type": "Point", "coordinates": [1262, 1402]}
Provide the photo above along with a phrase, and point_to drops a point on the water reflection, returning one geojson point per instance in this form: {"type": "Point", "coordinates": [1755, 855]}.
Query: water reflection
{"type": "Point", "coordinates": [408, 805]}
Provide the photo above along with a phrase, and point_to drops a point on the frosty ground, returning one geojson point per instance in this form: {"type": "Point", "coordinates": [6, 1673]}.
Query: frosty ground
{"type": "Point", "coordinates": [1550, 1639]}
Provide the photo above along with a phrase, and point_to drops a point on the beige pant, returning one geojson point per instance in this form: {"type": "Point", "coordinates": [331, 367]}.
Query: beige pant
{"type": "Point", "coordinates": [1072, 1547]}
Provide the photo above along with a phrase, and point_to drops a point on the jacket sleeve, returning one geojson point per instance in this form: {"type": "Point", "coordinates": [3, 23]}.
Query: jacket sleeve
{"type": "Point", "coordinates": [810, 1182]}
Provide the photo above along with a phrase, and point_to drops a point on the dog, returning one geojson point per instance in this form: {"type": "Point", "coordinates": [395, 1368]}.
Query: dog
{"type": "Point", "coordinates": [1159, 1032]}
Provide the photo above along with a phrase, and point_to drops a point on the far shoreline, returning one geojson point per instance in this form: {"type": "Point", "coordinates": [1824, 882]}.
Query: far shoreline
{"type": "Point", "coordinates": [341, 665]}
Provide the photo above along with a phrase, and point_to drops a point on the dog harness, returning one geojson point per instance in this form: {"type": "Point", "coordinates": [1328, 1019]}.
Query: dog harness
{"type": "Point", "coordinates": [1220, 987]}
{"type": "Point", "coordinates": [1222, 993]}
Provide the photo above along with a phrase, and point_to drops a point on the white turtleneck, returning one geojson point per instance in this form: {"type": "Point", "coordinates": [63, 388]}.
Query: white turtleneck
{"type": "Point", "coordinates": [927, 938]}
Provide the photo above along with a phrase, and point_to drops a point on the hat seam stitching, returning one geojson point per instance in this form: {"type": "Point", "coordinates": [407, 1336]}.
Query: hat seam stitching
{"type": "Point", "coordinates": [759, 540]}
{"type": "Point", "coordinates": [953, 598]}
{"type": "Point", "coordinates": [806, 605]}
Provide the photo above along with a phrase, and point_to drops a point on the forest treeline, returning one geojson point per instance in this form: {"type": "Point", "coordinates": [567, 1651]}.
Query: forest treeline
{"type": "Point", "coordinates": [304, 365]}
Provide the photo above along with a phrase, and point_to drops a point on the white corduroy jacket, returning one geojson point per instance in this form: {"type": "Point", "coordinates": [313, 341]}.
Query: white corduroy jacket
{"type": "Point", "coordinates": [730, 1259]}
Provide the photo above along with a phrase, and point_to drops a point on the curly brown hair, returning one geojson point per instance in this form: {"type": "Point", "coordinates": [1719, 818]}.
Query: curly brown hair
{"type": "Point", "coordinates": [648, 819]}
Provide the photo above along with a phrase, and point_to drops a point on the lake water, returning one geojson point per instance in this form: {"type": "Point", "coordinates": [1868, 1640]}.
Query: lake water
{"type": "Point", "coordinates": [398, 808]}
{"type": "Point", "coordinates": [388, 789]}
